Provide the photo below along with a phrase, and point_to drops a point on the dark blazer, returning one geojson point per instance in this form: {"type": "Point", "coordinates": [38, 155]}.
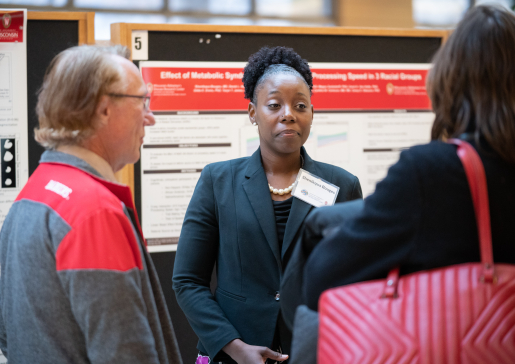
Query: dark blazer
{"type": "Point", "coordinates": [420, 217]}
{"type": "Point", "coordinates": [230, 221]}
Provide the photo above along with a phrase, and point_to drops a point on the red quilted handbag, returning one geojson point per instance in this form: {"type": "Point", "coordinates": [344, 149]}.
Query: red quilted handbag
{"type": "Point", "coordinates": [458, 314]}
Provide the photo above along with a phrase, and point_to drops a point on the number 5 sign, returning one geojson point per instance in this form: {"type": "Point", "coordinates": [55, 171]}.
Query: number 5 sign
{"type": "Point", "coordinates": [139, 45]}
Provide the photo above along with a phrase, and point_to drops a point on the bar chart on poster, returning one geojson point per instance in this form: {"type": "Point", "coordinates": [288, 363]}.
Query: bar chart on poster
{"type": "Point", "coordinates": [365, 115]}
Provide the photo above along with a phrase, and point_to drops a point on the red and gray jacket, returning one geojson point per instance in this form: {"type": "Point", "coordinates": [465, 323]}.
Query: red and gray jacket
{"type": "Point", "coordinates": [77, 284]}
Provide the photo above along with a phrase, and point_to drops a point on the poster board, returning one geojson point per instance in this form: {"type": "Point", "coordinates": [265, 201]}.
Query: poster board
{"type": "Point", "coordinates": [203, 48]}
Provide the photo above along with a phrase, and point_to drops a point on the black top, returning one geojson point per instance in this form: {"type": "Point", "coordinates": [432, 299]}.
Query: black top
{"type": "Point", "coordinates": [282, 211]}
{"type": "Point", "coordinates": [282, 337]}
{"type": "Point", "coordinates": [420, 217]}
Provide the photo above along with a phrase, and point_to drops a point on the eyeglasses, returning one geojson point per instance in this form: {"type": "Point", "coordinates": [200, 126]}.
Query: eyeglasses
{"type": "Point", "coordinates": [146, 98]}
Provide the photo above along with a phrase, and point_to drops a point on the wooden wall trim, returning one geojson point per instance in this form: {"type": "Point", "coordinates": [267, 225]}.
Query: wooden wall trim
{"type": "Point", "coordinates": [128, 27]}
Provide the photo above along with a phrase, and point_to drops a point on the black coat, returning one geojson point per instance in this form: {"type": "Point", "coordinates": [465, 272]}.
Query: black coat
{"type": "Point", "coordinates": [420, 217]}
{"type": "Point", "coordinates": [319, 223]}
{"type": "Point", "coordinates": [230, 220]}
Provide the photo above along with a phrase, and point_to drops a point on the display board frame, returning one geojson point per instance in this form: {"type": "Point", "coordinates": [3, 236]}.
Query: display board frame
{"type": "Point", "coordinates": [182, 36]}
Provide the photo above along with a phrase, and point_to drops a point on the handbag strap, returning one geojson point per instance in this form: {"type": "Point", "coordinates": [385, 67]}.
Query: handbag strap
{"type": "Point", "coordinates": [477, 182]}
{"type": "Point", "coordinates": [476, 178]}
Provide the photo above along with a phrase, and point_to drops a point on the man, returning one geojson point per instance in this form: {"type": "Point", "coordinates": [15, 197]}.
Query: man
{"type": "Point", "coordinates": [77, 284]}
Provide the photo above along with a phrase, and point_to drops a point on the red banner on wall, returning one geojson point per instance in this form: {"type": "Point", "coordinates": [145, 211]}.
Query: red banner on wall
{"type": "Point", "coordinates": [11, 29]}
{"type": "Point", "coordinates": [221, 89]}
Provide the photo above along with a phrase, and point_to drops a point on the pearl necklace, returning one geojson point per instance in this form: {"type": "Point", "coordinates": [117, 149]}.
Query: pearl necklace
{"type": "Point", "coordinates": [285, 191]}
{"type": "Point", "coordinates": [281, 192]}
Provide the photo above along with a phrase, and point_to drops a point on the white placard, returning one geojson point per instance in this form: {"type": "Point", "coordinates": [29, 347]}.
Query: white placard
{"type": "Point", "coordinates": [139, 45]}
{"type": "Point", "coordinates": [314, 190]}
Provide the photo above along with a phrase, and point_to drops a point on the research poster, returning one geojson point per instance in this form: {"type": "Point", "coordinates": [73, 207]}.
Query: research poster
{"type": "Point", "coordinates": [14, 162]}
{"type": "Point", "coordinates": [365, 114]}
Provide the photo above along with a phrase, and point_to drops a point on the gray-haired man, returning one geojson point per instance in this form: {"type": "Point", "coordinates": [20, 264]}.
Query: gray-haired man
{"type": "Point", "coordinates": [77, 284]}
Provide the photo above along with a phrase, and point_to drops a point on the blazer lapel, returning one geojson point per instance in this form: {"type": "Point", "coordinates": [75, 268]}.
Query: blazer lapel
{"type": "Point", "coordinates": [299, 208]}
{"type": "Point", "coordinates": [256, 188]}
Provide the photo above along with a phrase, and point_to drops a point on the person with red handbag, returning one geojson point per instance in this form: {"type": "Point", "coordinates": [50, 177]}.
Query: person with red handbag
{"type": "Point", "coordinates": [442, 219]}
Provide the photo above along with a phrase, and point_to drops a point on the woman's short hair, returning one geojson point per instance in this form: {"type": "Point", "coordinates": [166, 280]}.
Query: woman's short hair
{"type": "Point", "coordinates": [269, 61]}
{"type": "Point", "coordinates": [71, 90]}
{"type": "Point", "coordinates": [472, 82]}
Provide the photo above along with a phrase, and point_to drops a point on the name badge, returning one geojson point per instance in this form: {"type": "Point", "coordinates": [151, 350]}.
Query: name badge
{"type": "Point", "coordinates": [314, 190]}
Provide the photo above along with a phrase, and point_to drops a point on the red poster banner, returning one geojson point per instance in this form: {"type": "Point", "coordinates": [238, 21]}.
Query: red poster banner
{"type": "Point", "coordinates": [11, 30]}
{"type": "Point", "coordinates": [221, 89]}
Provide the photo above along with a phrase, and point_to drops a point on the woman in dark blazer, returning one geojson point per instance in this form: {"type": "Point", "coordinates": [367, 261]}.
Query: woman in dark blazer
{"type": "Point", "coordinates": [236, 220]}
{"type": "Point", "coordinates": [421, 215]}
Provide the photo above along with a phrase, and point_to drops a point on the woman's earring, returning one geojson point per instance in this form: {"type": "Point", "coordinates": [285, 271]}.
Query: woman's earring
{"type": "Point", "coordinates": [254, 123]}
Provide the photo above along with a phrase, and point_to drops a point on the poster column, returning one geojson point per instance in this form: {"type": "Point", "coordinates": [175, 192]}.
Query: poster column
{"type": "Point", "coordinates": [14, 169]}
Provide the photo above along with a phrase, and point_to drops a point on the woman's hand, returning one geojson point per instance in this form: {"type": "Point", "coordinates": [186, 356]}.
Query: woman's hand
{"type": "Point", "coordinates": [249, 354]}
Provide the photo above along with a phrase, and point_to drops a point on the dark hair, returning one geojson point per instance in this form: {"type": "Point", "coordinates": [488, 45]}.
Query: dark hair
{"type": "Point", "coordinates": [259, 64]}
{"type": "Point", "coordinates": [472, 82]}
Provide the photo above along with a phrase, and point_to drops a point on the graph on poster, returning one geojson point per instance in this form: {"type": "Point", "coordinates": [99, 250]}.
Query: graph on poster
{"type": "Point", "coordinates": [332, 145]}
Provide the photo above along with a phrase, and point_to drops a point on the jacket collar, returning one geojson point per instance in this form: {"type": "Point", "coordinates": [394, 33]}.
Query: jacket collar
{"type": "Point", "coordinates": [53, 156]}
{"type": "Point", "coordinates": [255, 164]}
